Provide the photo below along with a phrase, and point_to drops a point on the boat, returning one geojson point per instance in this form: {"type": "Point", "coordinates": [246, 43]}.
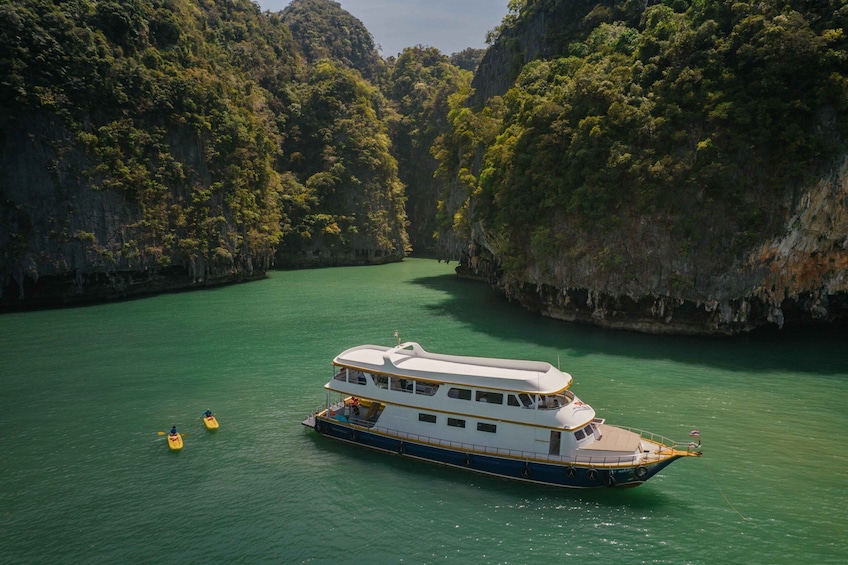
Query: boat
{"type": "Point", "coordinates": [210, 422]}
{"type": "Point", "coordinates": [507, 418]}
{"type": "Point", "coordinates": [175, 442]}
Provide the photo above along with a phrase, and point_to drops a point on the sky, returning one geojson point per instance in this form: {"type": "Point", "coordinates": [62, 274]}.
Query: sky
{"type": "Point", "coordinates": [449, 25]}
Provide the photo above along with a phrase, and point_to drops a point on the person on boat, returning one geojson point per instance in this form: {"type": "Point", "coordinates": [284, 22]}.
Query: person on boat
{"type": "Point", "coordinates": [207, 413]}
{"type": "Point", "coordinates": [173, 431]}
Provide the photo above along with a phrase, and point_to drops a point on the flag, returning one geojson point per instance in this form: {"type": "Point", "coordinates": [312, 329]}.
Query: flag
{"type": "Point", "coordinates": [695, 433]}
{"type": "Point", "coordinates": [396, 333]}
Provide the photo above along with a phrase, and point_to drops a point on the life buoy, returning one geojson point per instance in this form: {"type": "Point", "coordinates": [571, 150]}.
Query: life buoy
{"type": "Point", "coordinates": [641, 472]}
{"type": "Point", "coordinates": [318, 426]}
{"type": "Point", "coordinates": [570, 472]}
{"type": "Point", "coordinates": [592, 474]}
{"type": "Point", "coordinates": [609, 480]}
{"type": "Point", "coordinates": [526, 472]}
{"type": "Point", "coordinates": [401, 449]}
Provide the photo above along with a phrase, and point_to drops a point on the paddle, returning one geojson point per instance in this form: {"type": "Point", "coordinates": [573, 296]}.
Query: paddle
{"type": "Point", "coordinates": [165, 433]}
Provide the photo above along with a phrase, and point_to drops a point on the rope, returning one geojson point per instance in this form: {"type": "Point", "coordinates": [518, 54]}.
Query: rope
{"type": "Point", "coordinates": [727, 500]}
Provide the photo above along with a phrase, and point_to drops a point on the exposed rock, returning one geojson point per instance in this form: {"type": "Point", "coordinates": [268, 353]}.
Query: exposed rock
{"type": "Point", "coordinates": [799, 277]}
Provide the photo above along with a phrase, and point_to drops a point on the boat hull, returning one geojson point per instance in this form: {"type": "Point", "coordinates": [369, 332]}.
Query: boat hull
{"type": "Point", "coordinates": [210, 422]}
{"type": "Point", "coordinates": [560, 474]}
{"type": "Point", "coordinates": [175, 442]}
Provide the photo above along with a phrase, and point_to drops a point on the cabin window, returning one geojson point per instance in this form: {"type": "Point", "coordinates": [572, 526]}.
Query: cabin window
{"type": "Point", "coordinates": [512, 401]}
{"type": "Point", "coordinates": [426, 417]}
{"type": "Point", "coordinates": [490, 397]}
{"type": "Point", "coordinates": [341, 375]}
{"type": "Point", "coordinates": [428, 389]}
{"type": "Point", "coordinates": [584, 432]}
{"type": "Point", "coordinates": [527, 401]}
{"type": "Point", "coordinates": [553, 401]}
{"type": "Point", "coordinates": [483, 427]}
{"type": "Point", "coordinates": [403, 385]}
{"type": "Point", "coordinates": [460, 393]}
{"type": "Point", "coordinates": [381, 381]}
{"type": "Point", "coordinates": [456, 423]}
{"type": "Point", "coordinates": [356, 377]}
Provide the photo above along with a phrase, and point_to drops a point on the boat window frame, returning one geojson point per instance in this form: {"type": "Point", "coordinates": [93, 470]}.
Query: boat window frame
{"type": "Point", "coordinates": [532, 400]}
{"type": "Point", "coordinates": [461, 393]}
{"type": "Point", "coordinates": [426, 388]}
{"type": "Point", "coordinates": [487, 427]}
{"type": "Point", "coordinates": [456, 422]}
{"type": "Point", "coordinates": [404, 384]}
{"type": "Point", "coordinates": [487, 395]}
{"type": "Point", "coordinates": [425, 417]}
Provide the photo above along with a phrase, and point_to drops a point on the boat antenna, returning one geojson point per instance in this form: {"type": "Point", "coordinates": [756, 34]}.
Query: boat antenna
{"type": "Point", "coordinates": [558, 369]}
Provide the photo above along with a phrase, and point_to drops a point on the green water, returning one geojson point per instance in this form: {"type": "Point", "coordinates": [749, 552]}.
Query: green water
{"type": "Point", "coordinates": [84, 477]}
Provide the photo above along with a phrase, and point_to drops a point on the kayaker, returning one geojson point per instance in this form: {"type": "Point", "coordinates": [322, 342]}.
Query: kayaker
{"type": "Point", "coordinates": [207, 413]}
{"type": "Point", "coordinates": [173, 431]}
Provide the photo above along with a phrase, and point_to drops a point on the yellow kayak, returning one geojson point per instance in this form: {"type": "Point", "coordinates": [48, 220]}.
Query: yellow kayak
{"type": "Point", "coordinates": [175, 442]}
{"type": "Point", "coordinates": [210, 422]}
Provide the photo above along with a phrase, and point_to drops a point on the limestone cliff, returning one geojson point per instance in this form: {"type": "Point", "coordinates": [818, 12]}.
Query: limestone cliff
{"type": "Point", "coordinates": [65, 239]}
{"type": "Point", "coordinates": [658, 168]}
{"type": "Point", "coordinates": [799, 276]}
{"type": "Point", "coordinates": [136, 156]}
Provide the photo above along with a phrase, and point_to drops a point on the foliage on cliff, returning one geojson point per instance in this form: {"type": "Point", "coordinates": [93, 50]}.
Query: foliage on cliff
{"type": "Point", "coordinates": [418, 85]}
{"type": "Point", "coordinates": [352, 204]}
{"type": "Point", "coordinates": [142, 107]}
{"type": "Point", "coordinates": [154, 136]}
{"type": "Point", "coordinates": [325, 31]}
{"type": "Point", "coordinates": [698, 119]}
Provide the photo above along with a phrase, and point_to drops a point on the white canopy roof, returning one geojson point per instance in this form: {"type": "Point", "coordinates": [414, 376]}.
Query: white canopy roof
{"type": "Point", "coordinates": [410, 360]}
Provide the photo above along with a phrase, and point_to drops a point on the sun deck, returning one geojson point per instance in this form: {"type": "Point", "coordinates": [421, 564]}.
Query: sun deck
{"type": "Point", "coordinates": [409, 359]}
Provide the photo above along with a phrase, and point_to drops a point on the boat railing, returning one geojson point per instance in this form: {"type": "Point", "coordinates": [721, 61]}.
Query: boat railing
{"type": "Point", "coordinates": [338, 408]}
{"type": "Point", "coordinates": [664, 446]}
{"type": "Point", "coordinates": [582, 460]}
{"type": "Point", "coordinates": [662, 441]}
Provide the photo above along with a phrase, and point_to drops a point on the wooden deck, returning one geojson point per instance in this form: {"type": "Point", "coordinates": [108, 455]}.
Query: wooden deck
{"type": "Point", "coordinates": [615, 439]}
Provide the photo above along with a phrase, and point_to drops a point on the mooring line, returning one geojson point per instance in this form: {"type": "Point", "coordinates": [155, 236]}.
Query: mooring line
{"type": "Point", "coordinates": [721, 492]}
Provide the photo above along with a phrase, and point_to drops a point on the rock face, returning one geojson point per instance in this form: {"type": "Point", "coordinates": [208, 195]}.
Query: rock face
{"type": "Point", "coordinates": [612, 203]}
{"type": "Point", "coordinates": [801, 276]}
{"type": "Point", "coordinates": [63, 239]}
{"type": "Point", "coordinates": [148, 147]}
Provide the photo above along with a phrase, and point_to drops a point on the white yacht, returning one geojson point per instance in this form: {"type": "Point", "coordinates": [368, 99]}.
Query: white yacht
{"type": "Point", "coordinates": [509, 418]}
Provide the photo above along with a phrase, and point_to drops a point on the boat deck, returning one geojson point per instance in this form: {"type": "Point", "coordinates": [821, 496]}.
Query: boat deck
{"type": "Point", "coordinates": [615, 439]}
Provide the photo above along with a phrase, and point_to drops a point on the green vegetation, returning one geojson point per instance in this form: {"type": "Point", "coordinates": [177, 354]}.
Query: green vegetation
{"type": "Point", "coordinates": [325, 31]}
{"type": "Point", "coordinates": [204, 136]}
{"type": "Point", "coordinates": [207, 137]}
{"type": "Point", "coordinates": [352, 201]}
{"type": "Point", "coordinates": [148, 105]}
{"type": "Point", "coordinates": [419, 84]}
{"type": "Point", "coordinates": [703, 115]}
